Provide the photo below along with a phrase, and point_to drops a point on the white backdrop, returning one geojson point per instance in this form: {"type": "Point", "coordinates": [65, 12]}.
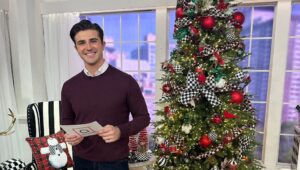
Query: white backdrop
{"type": "Point", "coordinates": [9, 144]}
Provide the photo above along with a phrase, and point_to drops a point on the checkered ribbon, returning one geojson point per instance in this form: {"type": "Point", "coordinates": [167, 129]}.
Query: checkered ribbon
{"type": "Point", "coordinates": [208, 50]}
{"type": "Point", "coordinates": [194, 89]}
{"type": "Point", "coordinates": [182, 22]}
{"type": "Point", "coordinates": [240, 77]}
{"type": "Point", "coordinates": [247, 105]}
{"type": "Point", "coordinates": [228, 46]}
{"type": "Point", "coordinates": [216, 13]}
{"type": "Point", "coordinates": [244, 142]}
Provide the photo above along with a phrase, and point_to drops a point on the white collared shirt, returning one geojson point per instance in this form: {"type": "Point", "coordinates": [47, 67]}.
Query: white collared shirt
{"type": "Point", "coordinates": [100, 71]}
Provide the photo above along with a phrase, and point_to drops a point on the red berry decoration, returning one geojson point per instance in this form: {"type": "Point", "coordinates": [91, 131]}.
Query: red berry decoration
{"type": "Point", "coordinates": [166, 88]}
{"type": "Point", "coordinates": [179, 12]}
{"type": "Point", "coordinates": [238, 18]}
{"type": "Point", "coordinates": [201, 78]}
{"type": "Point", "coordinates": [222, 5]}
{"type": "Point", "coordinates": [208, 22]}
{"type": "Point", "coordinates": [171, 68]}
{"type": "Point", "coordinates": [193, 30]}
{"type": "Point", "coordinates": [217, 119]}
{"type": "Point", "coordinates": [237, 97]}
{"type": "Point", "coordinates": [198, 70]}
{"type": "Point", "coordinates": [205, 141]}
{"type": "Point", "coordinates": [167, 109]}
{"type": "Point", "coordinates": [228, 138]}
{"type": "Point", "coordinates": [201, 48]}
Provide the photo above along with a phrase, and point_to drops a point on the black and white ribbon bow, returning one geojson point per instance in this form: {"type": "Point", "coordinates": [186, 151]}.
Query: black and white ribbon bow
{"type": "Point", "coordinates": [194, 89]}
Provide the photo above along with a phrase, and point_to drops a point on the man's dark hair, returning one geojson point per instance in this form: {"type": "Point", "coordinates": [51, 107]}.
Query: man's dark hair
{"type": "Point", "coordinates": [85, 25]}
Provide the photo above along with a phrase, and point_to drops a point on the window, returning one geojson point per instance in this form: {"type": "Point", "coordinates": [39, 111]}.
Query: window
{"type": "Point", "coordinates": [257, 35]}
{"type": "Point", "coordinates": [290, 117]}
{"type": "Point", "coordinates": [130, 46]}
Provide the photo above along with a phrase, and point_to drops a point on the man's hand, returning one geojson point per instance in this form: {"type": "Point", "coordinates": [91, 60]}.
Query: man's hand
{"type": "Point", "coordinates": [110, 133]}
{"type": "Point", "coordinates": [73, 139]}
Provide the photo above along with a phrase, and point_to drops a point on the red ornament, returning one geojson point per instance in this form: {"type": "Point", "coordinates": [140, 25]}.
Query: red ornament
{"type": "Point", "coordinates": [217, 119]}
{"type": "Point", "coordinates": [201, 78]}
{"type": "Point", "coordinates": [179, 12]}
{"type": "Point", "coordinates": [238, 18]}
{"type": "Point", "coordinates": [228, 138]}
{"type": "Point", "coordinates": [232, 167]}
{"type": "Point", "coordinates": [205, 141]}
{"type": "Point", "coordinates": [208, 22]}
{"type": "Point", "coordinates": [166, 88]}
{"type": "Point", "coordinates": [238, 28]}
{"type": "Point", "coordinates": [228, 115]}
{"type": "Point", "coordinates": [237, 97]}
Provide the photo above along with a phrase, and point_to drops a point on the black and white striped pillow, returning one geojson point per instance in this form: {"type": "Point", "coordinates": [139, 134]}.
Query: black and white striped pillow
{"type": "Point", "coordinates": [43, 118]}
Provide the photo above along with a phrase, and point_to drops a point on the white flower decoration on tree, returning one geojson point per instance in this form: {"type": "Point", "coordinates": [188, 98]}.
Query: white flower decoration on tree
{"type": "Point", "coordinates": [186, 128]}
{"type": "Point", "coordinates": [221, 83]}
{"type": "Point", "coordinates": [160, 140]}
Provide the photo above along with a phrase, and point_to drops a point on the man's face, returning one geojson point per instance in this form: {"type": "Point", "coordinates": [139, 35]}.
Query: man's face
{"type": "Point", "coordinates": [89, 47]}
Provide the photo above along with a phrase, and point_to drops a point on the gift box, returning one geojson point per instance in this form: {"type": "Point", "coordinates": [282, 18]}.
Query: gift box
{"type": "Point", "coordinates": [295, 149]}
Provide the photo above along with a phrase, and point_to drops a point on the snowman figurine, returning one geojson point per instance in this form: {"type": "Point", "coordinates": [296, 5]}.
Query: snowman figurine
{"type": "Point", "coordinates": [57, 158]}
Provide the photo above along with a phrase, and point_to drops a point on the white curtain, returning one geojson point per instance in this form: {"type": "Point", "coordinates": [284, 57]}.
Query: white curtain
{"type": "Point", "coordinates": [60, 54]}
{"type": "Point", "coordinates": [9, 147]}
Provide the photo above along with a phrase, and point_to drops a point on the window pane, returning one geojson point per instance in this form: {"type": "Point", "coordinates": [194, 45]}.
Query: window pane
{"type": "Point", "coordinates": [260, 113]}
{"type": "Point", "coordinates": [129, 56]}
{"type": "Point", "coordinates": [171, 25]}
{"type": "Point", "coordinates": [259, 140]}
{"type": "Point", "coordinates": [259, 85]}
{"type": "Point", "coordinates": [260, 54]}
{"type": "Point", "coordinates": [263, 21]}
{"type": "Point", "coordinates": [247, 11]}
{"type": "Point", "coordinates": [292, 87]}
{"type": "Point", "coordinates": [245, 63]}
{"type": "Point", "coordinates": [147, 56]}
{"type": "Point", "coordinates": [289, 118]}
{"type": "Point", "coordinates": [285, 149]}
{"type": "Point", "coordinates": [293, 61]}
{"type": "Point", "coordinates": [148, 89]}
{"type": "Point", "coordinates": [295, 21]}
{"type": "Point", "coordinates": [112, 27]}
{"type": "Point", "coordinates": [147, 26]}
{"type": "Point", "coordinates": [97, 19]}
{"type": "Point", "coordinates": [112, 54]}
{"type": "Point", "coordinates": [129, 27]}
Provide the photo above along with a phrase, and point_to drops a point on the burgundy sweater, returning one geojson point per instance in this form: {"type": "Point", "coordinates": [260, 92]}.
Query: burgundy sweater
{"type": "Point", "coordinates": [108, 99]}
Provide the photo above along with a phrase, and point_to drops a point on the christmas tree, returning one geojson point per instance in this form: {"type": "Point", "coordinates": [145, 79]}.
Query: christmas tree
{"type": "Point", "coordinates": [207, 120]}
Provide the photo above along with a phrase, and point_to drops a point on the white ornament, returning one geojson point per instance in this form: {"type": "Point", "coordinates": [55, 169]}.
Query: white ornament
{"type": "Point", "coordinates": [160, 140]}
{"type": "Point", "coordinates": [57, 158]}
{"type": "Point", "coordinates": [186, 128]}
{"type": "Point", "coordinates": [221, 83]}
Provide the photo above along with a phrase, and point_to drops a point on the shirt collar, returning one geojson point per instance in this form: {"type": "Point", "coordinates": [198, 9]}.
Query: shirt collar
{"type": "Point", "coordinates": [100, 71]}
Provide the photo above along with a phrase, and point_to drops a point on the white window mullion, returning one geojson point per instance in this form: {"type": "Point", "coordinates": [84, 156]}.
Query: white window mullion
{"type": "Point", "coordinates": [276, 81]}
{"type": "Point", "coordinates": [162, 44]}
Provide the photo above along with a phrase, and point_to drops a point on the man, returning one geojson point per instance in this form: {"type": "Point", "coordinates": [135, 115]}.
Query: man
{"type": "Point", "coordinates": [104, 94]}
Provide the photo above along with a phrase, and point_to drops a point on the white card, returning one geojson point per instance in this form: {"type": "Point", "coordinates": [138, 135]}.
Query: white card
{"type": "Point", "coordinates": [84, 130]}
